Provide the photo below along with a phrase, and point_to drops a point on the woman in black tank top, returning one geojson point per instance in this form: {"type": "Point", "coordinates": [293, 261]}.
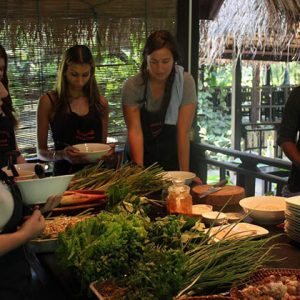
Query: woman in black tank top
{"type": "Point", "coordinates": [75, 112]}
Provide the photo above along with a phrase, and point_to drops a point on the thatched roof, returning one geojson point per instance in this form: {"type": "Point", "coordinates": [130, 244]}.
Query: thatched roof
{"type": "Point", "coordinates": [57, 23]}
{"type": "Point", "coordinates": [252, 26]}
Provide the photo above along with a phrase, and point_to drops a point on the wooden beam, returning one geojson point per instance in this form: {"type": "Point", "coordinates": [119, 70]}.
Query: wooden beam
{"type": "Point", "coordinates": [236, 105]}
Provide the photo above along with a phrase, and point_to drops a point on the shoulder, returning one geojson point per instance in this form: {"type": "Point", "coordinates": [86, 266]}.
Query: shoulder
{"type": "Point", "coordinates": [48, 100]}
{"type": "Point", "coordinates": [188, 79]}
{"type": "Point", "coordinates": [189, 89]}
{"type": "Point", "coordinates": [133, 82]}
{"type": "Point", "coordinates": [50, 97]}
{"type": "Point", "coordinates": [133, 89]}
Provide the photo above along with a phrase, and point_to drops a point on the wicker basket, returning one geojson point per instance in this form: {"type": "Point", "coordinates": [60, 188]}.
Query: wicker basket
{"type": "Point", "coordinates": [260, 275]}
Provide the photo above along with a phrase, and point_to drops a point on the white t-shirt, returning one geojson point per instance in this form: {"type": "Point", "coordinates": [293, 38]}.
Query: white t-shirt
{"type": "Point", "coordinates": [6, 205]}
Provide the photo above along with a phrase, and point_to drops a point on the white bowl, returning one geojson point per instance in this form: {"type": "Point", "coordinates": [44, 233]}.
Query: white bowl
{"type": "Point", "coordinates": [264, 209]}
{"type": "Point", "coordinates": [214, 217]}
{"type": "Point", "coordinates": [187, 177]}
{"type": "Point", "coordinates": [26, 171]}
{"type": "Point", "coordinates": [38, 190]}
{"type": "Point", "coordinates": [199, 209]}
{"type": "Point", "coordinates": [93, 151]}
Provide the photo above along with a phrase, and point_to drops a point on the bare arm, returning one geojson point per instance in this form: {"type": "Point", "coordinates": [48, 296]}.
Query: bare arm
{"type": "Point", "coordinates": [31, 228]}
{"type": "Point", "coordinates": [291, 151]}
{"type": "Point", "coordinates": [104, 120]}
{"type": "Point", "coordinates": [135, 134]}
{"type": "Point", "coordinates": [44, 111]}
{"type": "Point", "coordinates": [185, 119]}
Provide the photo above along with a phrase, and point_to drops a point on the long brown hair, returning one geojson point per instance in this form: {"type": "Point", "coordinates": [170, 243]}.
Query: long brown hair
{"type": "Point", "coordinates": [7, 105]}
{"type": "Point", "coordinates": [158, 40]}
{"type": "Point", "coordinates": [78, 54]}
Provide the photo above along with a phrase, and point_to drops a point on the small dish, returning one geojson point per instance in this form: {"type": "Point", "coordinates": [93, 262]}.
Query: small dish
{"type": "Point", "coordinates": [234, 217]}
{"type": "Point", "coordinates": [236, 231]}
{"type": "Point", "coordinates": [214, 218]}
{"type": "Point", "coordinates": [199, 209]}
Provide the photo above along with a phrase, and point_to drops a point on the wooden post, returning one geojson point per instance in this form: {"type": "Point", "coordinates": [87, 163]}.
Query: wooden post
{"type": "Point", "coordinates": [236, 105]}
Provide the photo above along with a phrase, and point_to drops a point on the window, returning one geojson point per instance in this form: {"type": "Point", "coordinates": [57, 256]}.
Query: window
{"type": "Point", "coordinates": [36, 33]}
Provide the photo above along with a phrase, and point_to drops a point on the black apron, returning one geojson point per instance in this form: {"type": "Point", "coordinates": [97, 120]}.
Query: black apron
{"type": "Point", "coordinates": [71, 129]}
{"type": "Point", "coordinates": [15, 273]}
{"type": "Point", "coordinates": [160, 139]}
{"type": "Point", "coordinates": [7, 140]}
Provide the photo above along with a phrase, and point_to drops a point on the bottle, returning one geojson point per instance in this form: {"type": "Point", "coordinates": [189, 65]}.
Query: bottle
{"type": "Point", "coordinates": [179, 199]}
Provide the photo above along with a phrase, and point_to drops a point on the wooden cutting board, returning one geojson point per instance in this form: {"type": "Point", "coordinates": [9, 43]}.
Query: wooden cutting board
{"type": "Point", "coordinates": [231, 193]}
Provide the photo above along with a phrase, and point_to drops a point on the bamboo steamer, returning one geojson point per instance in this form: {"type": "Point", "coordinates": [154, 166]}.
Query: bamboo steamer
{"type": "Point", "coordinates": [231, 193]}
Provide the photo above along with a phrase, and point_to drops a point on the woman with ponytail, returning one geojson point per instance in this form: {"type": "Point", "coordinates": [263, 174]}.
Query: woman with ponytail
{"type": "Point", "coordinates": [159, 105]}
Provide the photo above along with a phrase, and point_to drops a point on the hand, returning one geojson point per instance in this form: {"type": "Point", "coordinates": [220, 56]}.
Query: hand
{"type": "Point", "coordinates": [197, 180]}
{"type": "Point", "coordinates": [74, 156]}
{"type": "Point", "coordinates": [33, 225]}
{"type": "Point", "coordinates": [112, 158]}
{"type": "Point", "coordinates": [110, 153]}
{"type": "Point", "coordinates": [51, 203]}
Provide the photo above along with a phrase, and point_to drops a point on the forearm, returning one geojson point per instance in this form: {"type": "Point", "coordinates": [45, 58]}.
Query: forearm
{"type": "Point", "coordinates": [12, 241]}
{"type": "Point", "coordinates": [291, 151]}
{"type": "Point", "coordinates": [183, 146]}
{"type": "Point", "coordinates": [50, 155]}
{"type": "Point", "coordinates": [136, 144]}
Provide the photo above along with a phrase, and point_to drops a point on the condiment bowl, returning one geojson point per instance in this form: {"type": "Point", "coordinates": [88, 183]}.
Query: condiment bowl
{"type": "Point", "coordinates": [187, 177]}
{"type": "Point", "coordinates": [213, 218]}
{"type": "Point", "coordinates": [264, 209]}
{"type": "Point", "coordinates": [38, 190]}
{"type": "Point", "coordinates": [199, 209]}
{"type": "Point", "coordinates": [93, 151]}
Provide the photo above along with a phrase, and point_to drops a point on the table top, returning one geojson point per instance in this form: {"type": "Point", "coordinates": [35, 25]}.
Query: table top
{"type": "Point", "coordinates": [286, 255]}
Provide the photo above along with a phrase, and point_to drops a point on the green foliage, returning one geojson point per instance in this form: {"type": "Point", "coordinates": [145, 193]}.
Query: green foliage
{"type": "Point", "coordinates": [215, 119]}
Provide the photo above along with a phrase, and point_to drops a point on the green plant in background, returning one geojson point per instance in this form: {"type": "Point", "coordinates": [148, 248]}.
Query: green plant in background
{"type": "Point", "coordinates": [214, 117]}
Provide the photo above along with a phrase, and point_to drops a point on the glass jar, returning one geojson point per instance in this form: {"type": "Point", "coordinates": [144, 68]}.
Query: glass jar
{"type": "Point", "coordinates": [179, 199]}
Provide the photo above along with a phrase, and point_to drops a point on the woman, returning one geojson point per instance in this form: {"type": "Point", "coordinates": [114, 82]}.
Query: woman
{"type": "Point", "coordinates": [15, 273]}
{"type": "Point", "coordinates": [159, 105]}
{"type": "Point", "coordinates": [75, 112]}
{"type": "Point", "coordinates": [15, 231]}
{"type": "Point", "coordinates": [8, 122]}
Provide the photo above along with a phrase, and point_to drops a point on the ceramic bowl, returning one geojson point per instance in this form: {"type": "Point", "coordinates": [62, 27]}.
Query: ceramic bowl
{"type": "Point", "coordinates": [38, 190]}
{"type": "Point", "coordinates": [26, 171]}
{"type": "Point", "coordinates": [93, 151]}
{"type": "Point", "coordinates": [264, 209]}
{"type": "Point", "coordinates": [187, 177]}
{"type": "Point", "coordinates": [199, 209]}
{"type": "Point", "coordinates": [214, 218]}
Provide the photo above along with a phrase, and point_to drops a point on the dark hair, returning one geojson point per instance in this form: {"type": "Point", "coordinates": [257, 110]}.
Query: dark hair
{"type": "Point", "coordinates": [7, 105]}
{"type": "Point", "coordinates": [78, 54]}
{"type": "Point", "coordinates": [158, 40]}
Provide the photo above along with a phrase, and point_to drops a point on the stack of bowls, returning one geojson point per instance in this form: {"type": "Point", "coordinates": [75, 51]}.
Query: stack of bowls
{"type": "Point", "coordinates": [292, 216]}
